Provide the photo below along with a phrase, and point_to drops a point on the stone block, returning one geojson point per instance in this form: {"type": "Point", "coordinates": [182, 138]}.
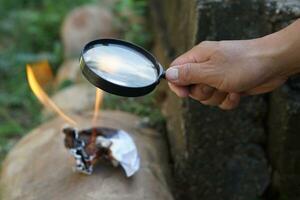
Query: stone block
{"type": "Point", "coordinates": [217, 154]}
{"type": "Point", "coordinates": [284, 137]}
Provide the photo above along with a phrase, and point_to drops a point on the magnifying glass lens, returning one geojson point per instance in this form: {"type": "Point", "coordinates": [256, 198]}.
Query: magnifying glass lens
{"type": "Point", "coordinates": [121, 65]}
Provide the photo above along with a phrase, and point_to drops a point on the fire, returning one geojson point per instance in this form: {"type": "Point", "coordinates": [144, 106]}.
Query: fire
{"type": "Point", "coordinates": [43, 97]}
{"type": "Point", "coordinates": [98, 102]}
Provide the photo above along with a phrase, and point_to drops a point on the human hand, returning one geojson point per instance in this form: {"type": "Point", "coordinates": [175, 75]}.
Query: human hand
{"type": "Point", "coordinates": [218, 73]}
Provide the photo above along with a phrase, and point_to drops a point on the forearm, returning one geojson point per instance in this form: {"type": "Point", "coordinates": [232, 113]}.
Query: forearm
{"type": "Point", "coordinates": [284, 49]}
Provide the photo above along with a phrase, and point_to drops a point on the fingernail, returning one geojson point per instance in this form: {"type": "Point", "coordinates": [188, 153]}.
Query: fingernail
{"type": "Point", "coordinates": [172, 74]}
{"type": "Point", "coordinates": [207, 90]}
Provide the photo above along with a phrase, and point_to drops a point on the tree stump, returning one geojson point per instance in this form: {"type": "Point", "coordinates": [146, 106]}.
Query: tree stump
{"type": "Point", "coordinates": [69, 72]}
{"type": "Point", "coordinates": [86, 23]}
{"type": "Point", "coordinates": [40, 167]}
{"type": "Point", "coordinates": [80, 104]}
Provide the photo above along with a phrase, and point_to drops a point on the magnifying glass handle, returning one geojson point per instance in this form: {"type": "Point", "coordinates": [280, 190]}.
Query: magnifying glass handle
{"type": "Point", "coordinates": [163, 75]}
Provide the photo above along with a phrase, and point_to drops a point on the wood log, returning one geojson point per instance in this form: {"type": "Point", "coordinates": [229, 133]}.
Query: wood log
{"type": "Point", "coordinates": [40, 167]}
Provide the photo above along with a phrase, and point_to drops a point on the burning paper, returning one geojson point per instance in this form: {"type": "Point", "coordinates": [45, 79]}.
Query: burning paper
{"type": "Point", "coordinates": [90, 145]}
{"type": "Point", "coordinates": [115, 146]}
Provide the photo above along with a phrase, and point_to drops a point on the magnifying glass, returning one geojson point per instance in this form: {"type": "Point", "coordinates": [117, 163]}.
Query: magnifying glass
{"type": "Point", "coordinates": [120, 67]}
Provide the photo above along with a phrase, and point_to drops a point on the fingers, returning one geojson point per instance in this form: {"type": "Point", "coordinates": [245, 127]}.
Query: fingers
{"type": "Point", "coordinates": [208, 95]}
{"type": "Point", "coordinates": [225, 101]}
{"type": "Point", "coordinates": [216, 99]}
{"type": "Point", "coordinates": [181, 91]}
{"type": "Point", "coordinates": [197, 54]}
{"type": "Point", "coordinates": [188, 57]}
{"type": "Point", "coordinates": [190, 68]}
{"type": "Point", "coordinates": [192, 73]}
{"type": "Point", "coordinates": [201, 92]}
{"type": "Point", "coordinates": [232, 101]}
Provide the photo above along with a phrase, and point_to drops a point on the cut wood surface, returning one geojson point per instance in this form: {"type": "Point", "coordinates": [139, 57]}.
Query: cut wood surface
{"type": "Point", "coordinates": [39, 166]}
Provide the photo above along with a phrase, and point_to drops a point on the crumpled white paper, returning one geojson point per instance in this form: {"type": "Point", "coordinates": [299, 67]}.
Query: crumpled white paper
{"type": "Point", "coordinates": [123, 150]}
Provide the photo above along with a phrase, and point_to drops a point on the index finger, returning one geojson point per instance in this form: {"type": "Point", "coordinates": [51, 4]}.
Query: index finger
{"type": "Point", "coordinates": [199, 53]}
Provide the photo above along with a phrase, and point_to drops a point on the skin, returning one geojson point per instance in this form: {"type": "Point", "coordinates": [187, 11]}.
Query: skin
{"type": "Point", "coordinates": [219, 73]}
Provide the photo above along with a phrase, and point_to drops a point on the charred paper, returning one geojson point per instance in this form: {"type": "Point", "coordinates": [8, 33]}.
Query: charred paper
{"type": "Point", "coordinates": [90, 145]}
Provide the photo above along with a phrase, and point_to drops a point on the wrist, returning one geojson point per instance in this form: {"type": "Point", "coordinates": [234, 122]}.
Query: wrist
{"type": "Point", "coordinates": [282, 50]}
{"type": "Point", "coordinates": [267, 57]}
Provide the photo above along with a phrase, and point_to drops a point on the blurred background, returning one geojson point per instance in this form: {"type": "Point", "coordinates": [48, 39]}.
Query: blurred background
{"type": "Point", "coordinates": [248, 153]}
{"type": "Point", "coordinates": [50, 34]}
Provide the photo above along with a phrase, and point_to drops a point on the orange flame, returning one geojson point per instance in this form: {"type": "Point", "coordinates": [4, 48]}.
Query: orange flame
{"type": "Point", "coordinates": [98, 102]}
{"type": "Point", "coordinates": [43, 97]}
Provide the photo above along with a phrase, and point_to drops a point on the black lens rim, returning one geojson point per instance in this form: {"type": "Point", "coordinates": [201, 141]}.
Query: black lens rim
{"type": "Point", "coordinates": [113, 88]}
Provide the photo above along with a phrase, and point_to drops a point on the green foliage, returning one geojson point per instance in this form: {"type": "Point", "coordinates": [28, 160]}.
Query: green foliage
{"type": "Point", "coordinates": [145, 106]}
{"type": "Point", "coordinates": [31, 29]}
{"type": "Point", "coordinates": [65, 84]}
{"type": "Point", "coordinates": [131, 15]}
{"type": "Point", "coordinates": [29, 32]}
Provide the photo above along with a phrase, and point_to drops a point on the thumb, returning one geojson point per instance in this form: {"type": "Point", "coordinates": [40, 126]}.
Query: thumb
{"type": "Point", "coordinates": [190, 73]}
